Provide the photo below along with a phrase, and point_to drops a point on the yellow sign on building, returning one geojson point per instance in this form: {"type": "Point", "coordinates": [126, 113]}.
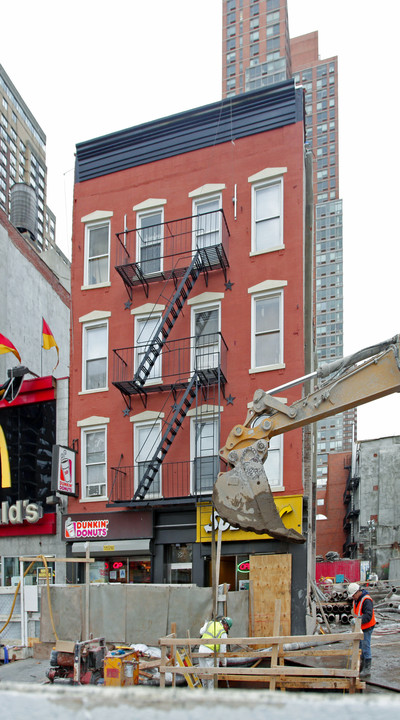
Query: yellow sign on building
{"type": "Point", "coordinates": [290, 508]}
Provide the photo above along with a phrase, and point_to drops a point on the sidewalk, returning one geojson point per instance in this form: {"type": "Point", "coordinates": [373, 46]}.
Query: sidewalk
{"type": "Point", "coordinates": [31, 670]}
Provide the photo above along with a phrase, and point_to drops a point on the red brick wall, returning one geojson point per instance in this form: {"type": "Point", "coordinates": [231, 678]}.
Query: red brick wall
{"type": "Point", "coordinates": [330, 533]}
{"type": "Point", "coordinates": [230, 163]}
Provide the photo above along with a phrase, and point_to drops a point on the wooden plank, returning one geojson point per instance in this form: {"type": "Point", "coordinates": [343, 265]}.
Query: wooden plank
{"type": "Point", "coordinates": [275, 647]}
{"type": "Point", "coordinates": [271, 576]}
{"type": "Point", "coordinates": [289, 671]}
{"type": "Point", "coordinates": [269, 640]}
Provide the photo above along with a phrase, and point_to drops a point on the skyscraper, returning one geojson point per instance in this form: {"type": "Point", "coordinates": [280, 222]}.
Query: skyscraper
{"type": "Point", "coordinates": [23, 161]}
{"type": "Point", "coordinates": [258, 51]}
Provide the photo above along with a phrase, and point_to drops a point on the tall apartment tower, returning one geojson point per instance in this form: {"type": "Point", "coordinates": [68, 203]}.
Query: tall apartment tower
{"type": "Point", "coordinates": [23, 171]}
{"type": "Point", "coordinates": [258, 51]}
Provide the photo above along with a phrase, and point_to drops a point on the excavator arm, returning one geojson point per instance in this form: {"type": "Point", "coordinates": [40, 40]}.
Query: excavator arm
{"type": "Point", "coordinates": [242, 495]}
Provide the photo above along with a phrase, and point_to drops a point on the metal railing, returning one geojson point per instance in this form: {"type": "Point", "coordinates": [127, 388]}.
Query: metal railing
{"type": "Point", "coordinates": [165, 250]}
{"type": "Point", "coordinates": [177, 362]}
{"type": "Point", "coordinates": [189, 478]}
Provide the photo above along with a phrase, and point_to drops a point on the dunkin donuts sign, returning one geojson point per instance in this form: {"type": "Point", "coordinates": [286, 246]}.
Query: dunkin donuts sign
{"type": "Point", "coordinates": [82, 529]}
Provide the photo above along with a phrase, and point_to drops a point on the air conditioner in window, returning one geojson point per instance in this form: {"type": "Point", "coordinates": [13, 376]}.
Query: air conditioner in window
{"type": "Point", "coordinates": [96, 490]}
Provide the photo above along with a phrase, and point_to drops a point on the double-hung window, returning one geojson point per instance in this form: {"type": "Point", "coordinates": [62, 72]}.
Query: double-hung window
{"type": "Point", "coordinates": [206, 321]}
{"type": "Point", "coordinates": [145, 328]}
{"type": "Point", "coordinates": [95, 356]}
{"type": "Point", "coordinates": [273, 465]}
{"type": "Point", "coordinates": [267, 210]}
{"type": "Point", "coordinates": [267, 330]}
{"type": "Point", "coordinates": [267, 216]}
{"type": "Point", "coordinates": [94, 462]}
{"type": "Point", "coordinates": [207, 222]}
{"type": "Point", "coordinates": [267, 326]}
{"type": "Point", "coordinates": [150, 241]}
{"type": "Point", "coordinates": [97, 253]}
{"type": "Point", "coordinates": [147, 437]}
{"type": "Point", "coordinates": [205, 448]}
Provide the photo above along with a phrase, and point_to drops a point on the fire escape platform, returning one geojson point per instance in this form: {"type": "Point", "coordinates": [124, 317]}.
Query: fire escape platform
{"type": "Point", "coordinates": [172, 246]}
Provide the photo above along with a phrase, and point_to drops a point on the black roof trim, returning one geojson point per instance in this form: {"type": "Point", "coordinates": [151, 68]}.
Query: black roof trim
{"type": "Point", "coordinates": [240, 116]}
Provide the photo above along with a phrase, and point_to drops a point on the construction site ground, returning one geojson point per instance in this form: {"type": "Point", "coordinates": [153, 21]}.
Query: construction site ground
{"type": "Point", "coordinates": [385, 674]}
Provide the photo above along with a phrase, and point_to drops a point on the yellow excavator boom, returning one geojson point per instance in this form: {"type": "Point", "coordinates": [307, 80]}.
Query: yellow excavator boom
{"type": "Point", "coordinates": [242, 495]}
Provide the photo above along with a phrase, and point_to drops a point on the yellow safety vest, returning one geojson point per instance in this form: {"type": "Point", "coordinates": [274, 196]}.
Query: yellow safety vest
{"type": "Point", "coordinates": [218, 630]}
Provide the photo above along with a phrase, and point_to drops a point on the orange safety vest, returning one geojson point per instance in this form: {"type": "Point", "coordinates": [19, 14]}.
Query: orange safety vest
{"type": "Point", "coordinates": [358, 611]}
{"type": "Point", "coordinates": [218, 630]}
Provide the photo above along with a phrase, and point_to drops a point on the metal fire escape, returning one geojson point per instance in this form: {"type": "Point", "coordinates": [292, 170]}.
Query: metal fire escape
{"type": "Point", "coordinates": [203, 260]}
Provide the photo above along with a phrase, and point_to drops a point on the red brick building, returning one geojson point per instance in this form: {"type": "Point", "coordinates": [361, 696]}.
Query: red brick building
{"type": "Point", "coordinates": [331, 510]}
{"type": "Point", "coordinates": [188, 294]}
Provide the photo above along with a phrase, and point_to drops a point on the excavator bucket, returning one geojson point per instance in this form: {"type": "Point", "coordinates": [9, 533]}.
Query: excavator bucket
{"type": "Point", "coordinates": [243, 498]}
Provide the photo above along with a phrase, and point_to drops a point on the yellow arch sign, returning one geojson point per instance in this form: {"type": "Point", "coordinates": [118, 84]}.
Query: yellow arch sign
{"type": "Point", "coordinates": [4, 461]}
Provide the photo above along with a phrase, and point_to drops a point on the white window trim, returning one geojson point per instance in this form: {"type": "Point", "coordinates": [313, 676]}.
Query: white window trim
{"type": "Point", "coordinates": [145, 211]}
{"type": "Point", "coordinates": [85, 327]}
{"type": "Point", "coordinates": [265, 178]}
{"type": "Point", "coordinates": [149, 204]}
{"type": "Point", "coordinates": [281, 487]}
{"type": "Point", "coordinates": [149, 423]}
{"type": "Point", "coordinates": [96, 219]}
{"type": "Point", "coordinates": [198, 308]}
{"type": "Point", "coordinates": [139, 317]}
{"type": "Point", "coordinates": [204, 412]}
{"type": "Point", "coordinates": [259, 296]}
{"type": "Point", "coordinates": [208, 189]}
{"type": "Point", "coordinates": [87, 427]}
{"type": "Point", "coordinates": [199, 200]}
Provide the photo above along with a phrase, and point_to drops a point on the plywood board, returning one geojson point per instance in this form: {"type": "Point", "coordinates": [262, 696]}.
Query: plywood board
{"type": "Point", "coordinates": [271, 578]}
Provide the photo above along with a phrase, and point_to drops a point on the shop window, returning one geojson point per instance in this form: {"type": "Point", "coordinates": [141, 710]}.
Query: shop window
{"type": "Point", "coordinates": [179, 569]}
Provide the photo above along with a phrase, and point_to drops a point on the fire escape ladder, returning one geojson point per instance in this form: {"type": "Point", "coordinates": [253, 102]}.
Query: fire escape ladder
{"type": "Point", "coordinates": [167, 439]}
{"type": "Point", "coordinates": [168, 320]}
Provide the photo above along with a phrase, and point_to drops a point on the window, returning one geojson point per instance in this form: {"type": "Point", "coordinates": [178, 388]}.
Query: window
{"type": "Point", "coordinates": [267, 217]}
{"type": "Point", "coordinates": [149, 241]}
{"type": "Point", "coordinates": [273, 465]}
{"type": "Point", "coordinates": [207, 222]}
{"type": "Point", "coordinates": [206, 330]}
{"type": "Point", "coordinates": [94, 463]}
{"type": "Point", "coordinates": [180, 563]}
{"type": "Point", "coordinates": [147, 437]}
{"type": "Point", "coordinates": [267, 330]}
{"type": "Point", "coordinates": [145, 328]}
{"type": "Point", "coordinates": [95, 352]}
{"type": "Point", "coordinates": [205, 444]}
{"type": "Point", "coordinates": [97, 251]}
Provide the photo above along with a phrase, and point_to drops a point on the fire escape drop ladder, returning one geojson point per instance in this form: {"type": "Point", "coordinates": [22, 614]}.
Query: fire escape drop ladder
{"type": "Point", "coordinates": [167, 439]}
{"type": "Point", "coordinates": [168, 321]}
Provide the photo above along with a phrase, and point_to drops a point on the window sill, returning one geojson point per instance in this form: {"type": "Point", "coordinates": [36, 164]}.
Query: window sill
{"type": "Point", "coordinates": [267, 368]}
{"type": "Point", "coordinates": [90, 392]}
{"type": "Point", "coordinates": [96, 285]}
{"type": "Point", "coordinates": [277, 488]}
{"type": "Point", "coordinates": [99, 498]}
{"type": "Point", "coordinates": [264, 252]}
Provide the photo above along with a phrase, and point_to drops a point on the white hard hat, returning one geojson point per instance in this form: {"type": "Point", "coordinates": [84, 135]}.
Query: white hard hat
{"type": "Point", "coordinates": [352, 589]}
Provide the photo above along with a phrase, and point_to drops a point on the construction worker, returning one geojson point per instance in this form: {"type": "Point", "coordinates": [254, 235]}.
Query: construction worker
{"type": "Point", "coordinates": [217, 629]}
{"type": "Point", "coordinates": [363, 607]}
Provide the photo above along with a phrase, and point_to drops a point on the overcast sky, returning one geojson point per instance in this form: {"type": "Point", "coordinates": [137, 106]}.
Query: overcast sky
{"type": "Point", "coordinates": [88, 68]}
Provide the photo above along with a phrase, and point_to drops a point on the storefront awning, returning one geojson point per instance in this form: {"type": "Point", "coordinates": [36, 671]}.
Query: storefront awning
{"type": "Point", "coordinates": [110, 548]}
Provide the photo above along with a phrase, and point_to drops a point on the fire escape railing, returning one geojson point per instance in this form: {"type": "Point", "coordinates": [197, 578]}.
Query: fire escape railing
{"type": "Point", "coordinates": [165, 251]}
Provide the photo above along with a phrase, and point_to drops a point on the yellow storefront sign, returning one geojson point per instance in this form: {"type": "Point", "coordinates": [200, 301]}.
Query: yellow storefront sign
{"type": "Point", "coordinates": [290, 508]}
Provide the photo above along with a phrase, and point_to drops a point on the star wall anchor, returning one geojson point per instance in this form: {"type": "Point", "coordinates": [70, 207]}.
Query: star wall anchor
{"type": "Point", "coordinates": [230, 399]}
{"type": "Point", "coordinates": [229, 285]}
{"type": "Point", "coordinates": [128, 305]}
{"type": "Point", "coordinates": [126, 412]}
